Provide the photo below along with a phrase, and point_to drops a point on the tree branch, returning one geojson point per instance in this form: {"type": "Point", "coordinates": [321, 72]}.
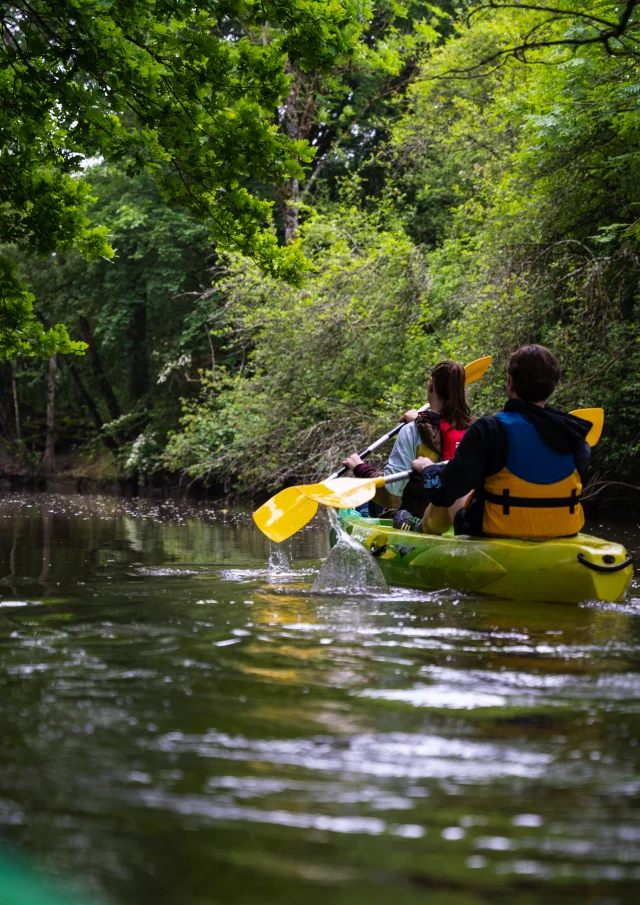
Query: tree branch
{"type": "Point", "coordinates": [554, 10]}
{"type": "Point", "coordinates": [598, 486]}
{"type": "Point", "coordinates": [598, 373]}
{"type": "Point", "coordinates": [614, 31]}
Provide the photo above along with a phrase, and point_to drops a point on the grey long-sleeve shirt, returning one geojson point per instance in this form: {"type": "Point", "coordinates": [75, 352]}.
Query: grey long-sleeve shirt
{"type": "Point", "coordinates": [404, 451]}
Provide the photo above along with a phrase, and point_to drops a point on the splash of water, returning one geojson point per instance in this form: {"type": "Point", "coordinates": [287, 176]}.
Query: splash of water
{"type": "Point", "coordinates": [349, 568]}
{"type": "Point", "coordinates": [279, 558]}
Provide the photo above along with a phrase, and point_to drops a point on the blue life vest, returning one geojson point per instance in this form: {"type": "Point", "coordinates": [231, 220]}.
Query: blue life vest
{"type": "Point", "coordinates": [537, 493]}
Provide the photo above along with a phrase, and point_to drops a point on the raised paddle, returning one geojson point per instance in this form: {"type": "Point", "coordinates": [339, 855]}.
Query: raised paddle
{"type": "Point", "coordinates": [596, 417]}
{"type": "Point", "coordinates": [289, 510]}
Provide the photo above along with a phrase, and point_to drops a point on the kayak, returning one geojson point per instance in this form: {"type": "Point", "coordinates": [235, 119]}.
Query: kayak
{"type": "Point", "coordinates": [564, 570]}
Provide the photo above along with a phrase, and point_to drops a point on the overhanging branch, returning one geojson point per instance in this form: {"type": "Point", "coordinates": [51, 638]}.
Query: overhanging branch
{"type": "Point", "coordinates": [606, 32]}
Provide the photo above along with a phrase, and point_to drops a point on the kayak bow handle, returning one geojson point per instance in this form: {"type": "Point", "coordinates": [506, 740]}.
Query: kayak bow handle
{"type": "Point", "coordinates": [618, 567]}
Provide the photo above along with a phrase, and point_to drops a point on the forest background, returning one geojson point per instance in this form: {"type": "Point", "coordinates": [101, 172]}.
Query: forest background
{"type": "Point", "coordinates": [260, 251]}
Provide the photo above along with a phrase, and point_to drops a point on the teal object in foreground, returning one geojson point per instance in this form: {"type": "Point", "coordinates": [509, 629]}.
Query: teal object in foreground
{"type": "Point", "coordinates": [569, 570]}
{"type": "Point", "coordinates": [20, 884]}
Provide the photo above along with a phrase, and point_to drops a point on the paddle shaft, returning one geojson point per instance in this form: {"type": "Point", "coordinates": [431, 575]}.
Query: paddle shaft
{"type": "Point", "coordinates": [400, 476]}
{"type": "Point", "coordinates": [379, 442]}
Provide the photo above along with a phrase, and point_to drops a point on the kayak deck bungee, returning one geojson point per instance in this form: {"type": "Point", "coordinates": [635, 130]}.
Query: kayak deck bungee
{"type": "Point", "coordinates": [564, 570]}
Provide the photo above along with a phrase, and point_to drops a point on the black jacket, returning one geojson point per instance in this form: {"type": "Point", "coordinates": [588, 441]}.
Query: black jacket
{"type": "Point", "coordinates": [484, 449]}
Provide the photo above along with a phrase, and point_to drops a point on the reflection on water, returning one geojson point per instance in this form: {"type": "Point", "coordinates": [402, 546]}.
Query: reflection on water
{"type": "Point", "coordinates": [184, 722]}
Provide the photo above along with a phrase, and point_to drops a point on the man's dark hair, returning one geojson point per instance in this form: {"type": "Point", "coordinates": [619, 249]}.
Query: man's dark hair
{"type": "Point", "coordinates": [535, 372]}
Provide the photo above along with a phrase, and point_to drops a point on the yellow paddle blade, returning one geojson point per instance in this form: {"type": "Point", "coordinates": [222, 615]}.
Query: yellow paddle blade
{"type": "Point", "coordinates": [284, 514]}
{"type": "Point", "coordinates": [342, 493]}
{"type": "Point", "coordinates": [477, 369]}
{"type": "Point", "coordinates": [596, 417]}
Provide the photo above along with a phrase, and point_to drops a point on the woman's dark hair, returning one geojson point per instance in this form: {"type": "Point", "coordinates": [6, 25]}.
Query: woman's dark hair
{"type": "Point", "coordinates": [535, 372]}
{"type": "Point", "coordinates": [449, 381]}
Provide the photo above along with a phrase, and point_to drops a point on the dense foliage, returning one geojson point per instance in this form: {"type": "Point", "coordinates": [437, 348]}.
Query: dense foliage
{"type": "Point", "coordinates": [475, 187]}
{"type": "Point", "coordinates": [182, 88]}
{"type": "Point", "coordinates": [319, 362]}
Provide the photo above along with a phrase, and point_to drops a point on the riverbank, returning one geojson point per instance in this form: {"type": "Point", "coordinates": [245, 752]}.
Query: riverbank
{"type": "Point", "coordinates": [81, 471]}
{"type": "Point", "coordinates": [85, 472]}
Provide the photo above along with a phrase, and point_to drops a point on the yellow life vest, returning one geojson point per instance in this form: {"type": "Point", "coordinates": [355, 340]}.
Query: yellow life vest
{"type": "Point", "coordinates": [414, 497]}
{"type": "Point", "coordinates": [537, 493]}
{"type": "Point", "coordinates": [426, 451]}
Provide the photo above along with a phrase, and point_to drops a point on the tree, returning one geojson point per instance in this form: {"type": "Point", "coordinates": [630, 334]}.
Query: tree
{"type": "Point", "coordinates": [49, 455]}
{"type": "Point", "coordinates": [345, 112]}
{"type": "Point", "coordinates": [571, 24]}
{"type": "Point", "coordinates": [321, 369]}
{"type": "Point", "coordinates": [177, 86]}
{"type": "Point", "coordinates": [535, 156]}
{"type": "Point", "coordinates": [140, 314]}
{"type": "Point", "coordinates": [520, 182]}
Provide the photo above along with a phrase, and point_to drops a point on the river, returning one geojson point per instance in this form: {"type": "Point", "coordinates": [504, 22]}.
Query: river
{"type": "Point", "coordinates": [185, 723]}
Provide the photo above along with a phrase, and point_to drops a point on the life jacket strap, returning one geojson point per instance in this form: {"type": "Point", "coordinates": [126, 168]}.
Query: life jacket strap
{"type": "Point", "coordinates": [505, 500]}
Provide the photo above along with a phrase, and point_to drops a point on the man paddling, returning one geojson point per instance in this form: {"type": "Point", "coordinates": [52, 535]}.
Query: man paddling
{"type": "Point", "coordinates": [522, 468]}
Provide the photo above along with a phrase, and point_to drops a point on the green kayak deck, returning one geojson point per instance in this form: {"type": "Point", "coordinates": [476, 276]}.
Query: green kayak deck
{"type": "Point", "coordinates": [570, 569]}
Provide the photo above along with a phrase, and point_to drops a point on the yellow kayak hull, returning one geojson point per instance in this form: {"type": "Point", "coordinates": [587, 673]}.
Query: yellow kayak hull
{"type": "Point", "coordinates": [568, 570]}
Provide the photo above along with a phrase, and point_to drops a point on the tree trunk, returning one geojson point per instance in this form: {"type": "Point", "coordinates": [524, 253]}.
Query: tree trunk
{"type": "Point", "coordinates": [86, 399]}
{"type": "Point", "coordinates": [290, 190]}
{"type": "Point", "coordinates": [7, 419]}
{"type": "Point", "coordinates": [213, 354]}
{"type": "Point", "coordinates": [96, 364]}
{"type": "Point", "coordinates": [7, 425]}
{"type": "Point", "coordinates": [49, 456]}
{"type": "Point", "coordinates": [16, 406]}
{"type": "Point", "coordinates": [139, 374]}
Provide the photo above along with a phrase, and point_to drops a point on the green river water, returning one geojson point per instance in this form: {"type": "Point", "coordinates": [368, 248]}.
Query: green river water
{"type": "Point", "coordinates": [185, 722]}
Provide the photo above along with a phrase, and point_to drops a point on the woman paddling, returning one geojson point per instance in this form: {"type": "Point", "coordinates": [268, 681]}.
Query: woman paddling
{"type": "Point", "coordinates": [434, 434]}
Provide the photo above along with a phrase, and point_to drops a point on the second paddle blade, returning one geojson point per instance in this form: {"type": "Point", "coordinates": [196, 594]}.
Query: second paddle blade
{"type": "Point", "coordinates": [596, 417]}
{"type": "Point", "coordinates": [476, 369]}
{"type": "Point", "coordinates": [284, 514]}
{"type": "Point", "coordinates": [342, 493]}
